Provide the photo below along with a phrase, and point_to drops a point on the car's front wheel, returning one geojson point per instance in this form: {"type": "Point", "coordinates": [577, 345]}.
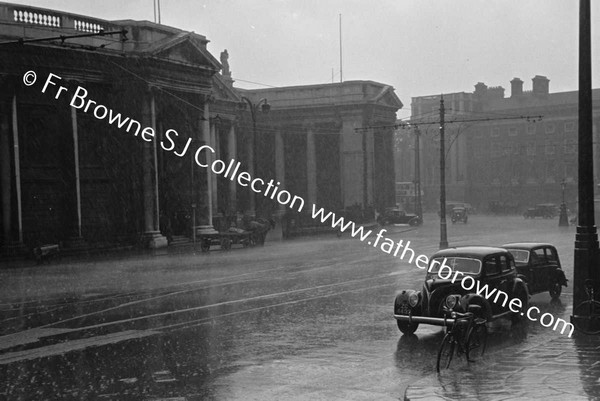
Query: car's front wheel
{"type": "Point", "coordinates": [407, 328]}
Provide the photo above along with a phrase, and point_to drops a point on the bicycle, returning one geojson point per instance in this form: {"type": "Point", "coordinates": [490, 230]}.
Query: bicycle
{"type": "Point", "coordinates": [467, 335]}
{"type": "Point", "coordinates": [586, 316]}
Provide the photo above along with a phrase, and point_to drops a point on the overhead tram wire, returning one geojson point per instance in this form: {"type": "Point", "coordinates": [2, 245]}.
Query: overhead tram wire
{"type": "Point", "coordinates": [468, 120]}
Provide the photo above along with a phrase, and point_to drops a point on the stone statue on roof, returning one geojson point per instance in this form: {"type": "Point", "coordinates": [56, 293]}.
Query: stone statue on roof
{"type": "Point", "coordinates": [225, 63]}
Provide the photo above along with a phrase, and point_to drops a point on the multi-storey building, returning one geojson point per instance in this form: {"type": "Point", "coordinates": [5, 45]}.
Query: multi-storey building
{"type": "Point", "coordinates": [522, 151]}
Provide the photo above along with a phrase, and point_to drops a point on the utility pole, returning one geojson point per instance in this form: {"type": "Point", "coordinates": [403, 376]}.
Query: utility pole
{"type": "Point", "coordinates": [417, 188]}
{"type": "Point", "coordinates": [341, 73]}
{"type": "Point", "coordinates": [443, 233]}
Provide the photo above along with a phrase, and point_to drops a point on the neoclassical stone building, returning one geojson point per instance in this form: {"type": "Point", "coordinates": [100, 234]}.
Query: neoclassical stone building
{"type": "Point", "coordinates": [314, 142]}
{"type": "Point", "coordinates": [74, 174]}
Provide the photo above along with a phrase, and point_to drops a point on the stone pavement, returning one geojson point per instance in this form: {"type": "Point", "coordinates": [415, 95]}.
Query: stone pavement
{"type": "Point", "coordinates": [553, 367]}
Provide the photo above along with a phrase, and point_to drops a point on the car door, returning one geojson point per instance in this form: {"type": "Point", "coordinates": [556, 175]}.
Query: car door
{"type": "Point", "coordinates": [552, 263]}
{"type": "Point", "coordinates": [496, 279]}
{"type": "Point", "coordinates": [539, 278]}
{"type": "Point", "coordinates": [506, 279]}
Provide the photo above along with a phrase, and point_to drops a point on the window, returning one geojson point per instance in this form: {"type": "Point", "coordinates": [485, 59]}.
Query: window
{"type": "Point", "coordinates": [551, 255]}
{"type": "Point", "coordinates": [531, 149]}
{"type": "Point", "coordinates": [551, 171]}
{"type": "Point", "coordinates": [512, 131]}
{"type": "Point", "coordinates": [569, 146]}
{"type": "Point", "coordinates": [504, 264]}
{"type": "Point", "coordinates": [517, 148]}
{"type": "Point", "coordinates": [549, 148]}
{"type": "Point", "coordinates": [520, 255]}
{"type": "Point", "coordinates": [531, 129]}
{"type": "Point", "coordinates": [569, 126]}
{"type": "Point", "coordinates": [463, 265]}
{"type": "Point", "coordinates": [495, 131]}
{"type": "Point", "coordinates": [508, 149]}
{"type": "Point", "coordinates": [537, 256]}
{"type": "Point", "coordinates": [496, 151]}
{"type": "Point", "coordinates": [550, 128]}
{"type": "Point", "coordinates": [570, 171]}
{"type": "Point", "coordinates": [490, 266]}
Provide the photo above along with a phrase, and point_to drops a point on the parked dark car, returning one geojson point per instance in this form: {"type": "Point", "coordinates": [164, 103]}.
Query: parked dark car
{"type": "Point", "coordinates": [544, 210]}
{"type": "Point", "coordinates": [491, 266]}
{"type": "Point", "coordinates": [398, 216]}
{"type": "Point", "coordinates": [540, 267]}
{"type": "Point", "coordinates": [459, 214]}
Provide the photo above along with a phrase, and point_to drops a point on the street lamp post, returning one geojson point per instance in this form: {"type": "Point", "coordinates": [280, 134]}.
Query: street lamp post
{"type": "Point", "coordinates": [443, 234]}
{"type": "Point", "coordinates": [586, 239]}
{"type": "Point", "coordinates": [254, 108]}
{"type": "Point", "coordinates": [563, 220]}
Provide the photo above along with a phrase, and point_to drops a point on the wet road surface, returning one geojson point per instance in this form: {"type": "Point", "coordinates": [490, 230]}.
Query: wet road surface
{"type": "Point", "coordinates": [309, 318]}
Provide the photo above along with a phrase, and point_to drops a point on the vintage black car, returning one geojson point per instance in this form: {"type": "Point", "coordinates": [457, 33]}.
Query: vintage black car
{"type": "Point", "coordinates": [398, 216]}
{"type": "Point", "coordinates": [539, 265]}
{"type": "Point", "coordinates": [544, 210]}
{"type": "Point", "coordinates": [459, 214]}
{"type": "Point", "coordinates": [491, 266]}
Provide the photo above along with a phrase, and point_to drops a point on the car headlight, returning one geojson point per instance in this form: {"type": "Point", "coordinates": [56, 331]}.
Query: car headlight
{"type": "Point", "coordinates": [413, 299]}
{"type": "Point", "coordinates": [451, 301]}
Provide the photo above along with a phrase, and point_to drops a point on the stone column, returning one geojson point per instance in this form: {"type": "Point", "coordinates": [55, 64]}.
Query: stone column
{"type": "Point", "coordinates": [232, 155]}
{"type": "Point", "coordinates": [17, 168]}
{"type": "Point", "coordinates": [250, 167]}
{"type": "Point", "coordinates": [76, 157]}
{"type": "Point", "coordinates": [75, 240]}
{"type": "Point", "coordinates": [370, 168]}
{"type": "Point", "coordinates": [152, 236]}
{"type": "Point", "coordinates": [5, 172]}
{"type": "Point", "coordinates": [311, 167]}
{"type": "Point", "coordinates": [342, 168]}
{"type": "Point", "coordinates": [280, 166]}
{"type": "Point", "coordinates": [209, 176]}
{"type": "Point", "coordinates": [214, 143]}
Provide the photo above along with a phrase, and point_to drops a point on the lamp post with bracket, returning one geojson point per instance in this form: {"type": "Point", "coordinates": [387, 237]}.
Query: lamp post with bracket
{"type": "Point", "coordinates": [264, 107]}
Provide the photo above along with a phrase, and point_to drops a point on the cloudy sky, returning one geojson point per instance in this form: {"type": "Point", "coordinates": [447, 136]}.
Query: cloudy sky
{"type": "Point", "coordinates": [420, 47]}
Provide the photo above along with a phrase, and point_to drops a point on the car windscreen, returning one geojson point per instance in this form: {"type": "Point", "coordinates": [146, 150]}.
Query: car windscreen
{"type": "Point", "coordinates": [520, 255]}
{"type": "Point", "coordinates": [462, 264]}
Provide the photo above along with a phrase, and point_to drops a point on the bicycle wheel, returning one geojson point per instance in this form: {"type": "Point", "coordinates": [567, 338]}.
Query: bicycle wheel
{"type": "Point", "coordinates": [476, 341]}
{"type": "Point", "coordinates": [586, 317]}
{"type": "Point", "coordinates": [446, 352]}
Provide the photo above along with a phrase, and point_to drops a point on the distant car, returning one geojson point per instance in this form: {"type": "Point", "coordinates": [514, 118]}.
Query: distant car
{"type": "Point", "coordinates": [459, 214]}
{"type": "Point", "coordinates": [451, 205]}
{"type": "Point", "coordinates": [539, 264]}
{"type": "Point", "coordinates": [491, 266]}
{"type": "Point", "coordinates": [544, 210]}
{"type": "Point", "coordinates": [398, 216]}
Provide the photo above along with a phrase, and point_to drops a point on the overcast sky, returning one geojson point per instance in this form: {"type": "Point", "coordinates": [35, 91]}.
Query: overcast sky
{"type": "Point", "coordinates": [420, 47]}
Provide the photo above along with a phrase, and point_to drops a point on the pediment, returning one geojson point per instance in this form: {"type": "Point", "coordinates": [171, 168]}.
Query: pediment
{"type": "Point", "coordinates": [183, 49]}
{"type": "Point", "coordinates": [390, 99]}
{"type": "Point", "coordinates": [387, 97]}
